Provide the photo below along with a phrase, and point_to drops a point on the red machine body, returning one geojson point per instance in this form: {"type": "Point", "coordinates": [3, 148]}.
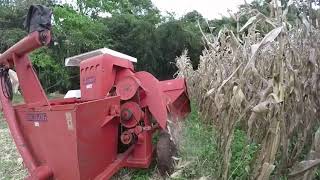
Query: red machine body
{"type": "Point", "coordinates": [68, 139]}
{"type": "Point", "coordinates": [97, 75]}
{"type": "Point", "coordinates": [92, 137]}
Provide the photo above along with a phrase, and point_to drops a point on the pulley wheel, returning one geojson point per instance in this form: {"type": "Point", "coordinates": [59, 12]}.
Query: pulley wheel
{"type": "Point", "coordinates": [126, 137]}
{"type": "Point", "coordinates": [131, 114]}
{"type": "Point", "coordinates": [127, 88]}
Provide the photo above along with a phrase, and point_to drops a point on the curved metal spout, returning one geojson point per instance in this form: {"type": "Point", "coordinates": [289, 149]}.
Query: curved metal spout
{"type": "Point", "coordinates": [28, 44]}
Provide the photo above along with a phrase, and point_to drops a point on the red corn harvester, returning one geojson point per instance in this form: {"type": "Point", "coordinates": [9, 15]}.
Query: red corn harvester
{"type": "Point", "coordinates": [93, 135]}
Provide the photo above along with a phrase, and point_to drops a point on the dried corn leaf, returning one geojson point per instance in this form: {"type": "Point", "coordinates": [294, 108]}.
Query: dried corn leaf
{"type": "Point", "coordinates": [266, 171]}
{"type": "Point", "coordinates": [224, 82]}
{"type": "Point", "coordinates": [317, 141]}
{"type": "Point", "coordinates": [303, 167]}
{"type": "Point", "coordinates": [262, 107]}
{"type": "Point", "coordinates": [285, 12]}
{"type": "Point", "coordinates": [305, 22]}
{"type": "Point", "coordinates": [271, 36]}
{"type": "Point", "coordinates": [253, 19]}
{"type": "Point", "coordinates": [238, 97]}
{"type": "Point", "coordinates": [204, 178]}
{"type": "Point", "coordinates": [177, 174]}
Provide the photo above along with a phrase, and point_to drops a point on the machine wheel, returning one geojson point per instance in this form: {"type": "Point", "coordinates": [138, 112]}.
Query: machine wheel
{"type": "Point", "coordinates": [166, 149]}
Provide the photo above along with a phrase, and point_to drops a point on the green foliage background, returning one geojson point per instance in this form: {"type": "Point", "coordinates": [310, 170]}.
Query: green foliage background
{"type": "Point", "coordinates": [133, 27]}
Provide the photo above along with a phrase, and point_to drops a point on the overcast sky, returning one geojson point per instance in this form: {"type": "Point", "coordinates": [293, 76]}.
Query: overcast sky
{"type": "Point", "coordinates": [208, 8]}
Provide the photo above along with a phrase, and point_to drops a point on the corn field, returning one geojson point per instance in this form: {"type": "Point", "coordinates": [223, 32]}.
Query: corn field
{"type": "Point", "coordinates": [266, 84]}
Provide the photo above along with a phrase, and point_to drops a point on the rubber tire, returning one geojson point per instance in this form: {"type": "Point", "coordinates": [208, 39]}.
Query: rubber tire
{"type": "Point", "coordinates": [165, 150]}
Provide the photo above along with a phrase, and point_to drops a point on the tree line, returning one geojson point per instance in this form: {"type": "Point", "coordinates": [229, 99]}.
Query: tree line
{"type": "Point", "coordinates": [133, 27]}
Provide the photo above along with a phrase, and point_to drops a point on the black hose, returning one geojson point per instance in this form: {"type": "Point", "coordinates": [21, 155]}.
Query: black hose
{"type": "Point", "coordinates": [6, 83]}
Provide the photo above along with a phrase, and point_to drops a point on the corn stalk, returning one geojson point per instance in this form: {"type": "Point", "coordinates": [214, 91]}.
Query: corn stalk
{"type": "Point", "coordinates": [269, 85]}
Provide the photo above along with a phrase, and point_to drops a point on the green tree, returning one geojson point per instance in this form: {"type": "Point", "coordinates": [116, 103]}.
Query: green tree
{"type": "Point", "coordinates": [133, 27]}
{"type": "Point", "coordinates": [174, 37]}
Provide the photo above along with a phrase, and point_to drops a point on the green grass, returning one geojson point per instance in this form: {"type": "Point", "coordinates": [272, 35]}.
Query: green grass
{"type": "Point", "coordinates": [198, 147]}
{"type": "Point", "coordinates": [242, 155]}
